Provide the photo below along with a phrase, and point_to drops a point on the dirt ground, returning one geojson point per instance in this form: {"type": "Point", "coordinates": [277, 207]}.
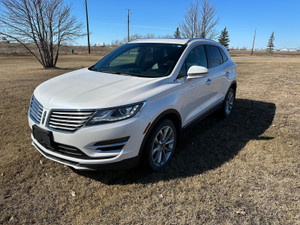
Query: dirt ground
{"type": "Point", "coordinates": [241, 170]}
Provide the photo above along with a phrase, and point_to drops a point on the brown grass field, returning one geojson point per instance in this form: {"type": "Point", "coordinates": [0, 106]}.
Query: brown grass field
{"type": "Point", "coordinates": [241, 170]}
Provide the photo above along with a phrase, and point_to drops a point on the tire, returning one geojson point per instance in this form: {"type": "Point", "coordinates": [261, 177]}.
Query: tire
{"type": "Point", "coordinates": [228, 103]}
{"type": "Point", "coordinates": [160, 146]}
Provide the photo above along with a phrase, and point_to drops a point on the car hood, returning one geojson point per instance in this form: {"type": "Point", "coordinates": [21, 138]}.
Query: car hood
{"type": "Point", "coordinates": [85, 89]}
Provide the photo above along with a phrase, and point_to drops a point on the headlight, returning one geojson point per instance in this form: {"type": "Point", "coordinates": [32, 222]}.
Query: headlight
{"type": "Point", "coordinates": [115, 114]}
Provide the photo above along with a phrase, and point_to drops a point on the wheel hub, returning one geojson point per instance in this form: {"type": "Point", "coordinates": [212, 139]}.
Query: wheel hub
{"type": "Point", "coordinates": [163, 146]}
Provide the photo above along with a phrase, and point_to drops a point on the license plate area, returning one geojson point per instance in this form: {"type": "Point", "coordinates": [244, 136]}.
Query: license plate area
{"type": "Point", "coordinates": [44, 137]}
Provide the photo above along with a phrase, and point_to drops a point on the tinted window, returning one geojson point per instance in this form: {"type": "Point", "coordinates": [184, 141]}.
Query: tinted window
{"type": "Point", "coordinates": [141, 59]}
{"type": "Point", "coordinates": [128, 57]}
{"type": "Point", "coordinates": [214, 56]}
{"type": "Point", "coordinates": [225, 58]}
{"type": "Point", "coordinates": [196, 57]}
{"type": "Point", "coordinates": [182, 72]}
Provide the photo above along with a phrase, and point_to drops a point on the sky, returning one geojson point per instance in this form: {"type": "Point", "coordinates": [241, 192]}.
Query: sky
{"type": "Point", "coordinates": [108, 20]}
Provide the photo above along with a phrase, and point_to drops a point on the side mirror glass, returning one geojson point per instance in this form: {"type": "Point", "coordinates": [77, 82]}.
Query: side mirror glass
{"type": "Point", "coordinates": [197, 72]}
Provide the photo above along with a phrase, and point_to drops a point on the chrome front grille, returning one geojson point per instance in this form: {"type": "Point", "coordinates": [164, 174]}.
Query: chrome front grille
{"type": "Point", "coordinates": [35, 110]}
{"type": "Point", "coordinates": [68, 121]}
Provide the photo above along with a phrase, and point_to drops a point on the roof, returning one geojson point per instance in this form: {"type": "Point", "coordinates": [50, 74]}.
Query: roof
{"type": "Point", "coordinates": [171, 40]}
{"type": "Point", "coordinates": [162, 40]}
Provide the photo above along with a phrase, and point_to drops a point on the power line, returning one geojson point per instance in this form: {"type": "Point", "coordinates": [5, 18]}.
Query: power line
{"type": "Point", "coordinates": [128, 36]}
{"type": "Point", "coordinates": [87, 26]}
{"type": "Point", "coordinates": [253, 42]}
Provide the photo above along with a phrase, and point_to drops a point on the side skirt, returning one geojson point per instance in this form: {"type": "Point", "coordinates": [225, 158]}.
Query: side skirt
{"type": "Point", "coordinates": [201, 117]}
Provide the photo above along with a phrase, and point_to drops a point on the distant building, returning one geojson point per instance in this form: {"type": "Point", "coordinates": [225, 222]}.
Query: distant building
{"type": "Point", "coordinates": [3, 40]}
{"type": "Point", "coordinates": [288, 50]}
{"type": "Point", "coordinates": [100, 44]}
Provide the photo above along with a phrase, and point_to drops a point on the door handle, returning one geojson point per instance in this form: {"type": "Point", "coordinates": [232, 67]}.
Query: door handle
{"type": "Point", "coordinates": [208, 82]}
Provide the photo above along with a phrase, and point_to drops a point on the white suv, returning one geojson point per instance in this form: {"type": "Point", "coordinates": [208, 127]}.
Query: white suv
{"type": "Point", "coordinates": [132, 105]}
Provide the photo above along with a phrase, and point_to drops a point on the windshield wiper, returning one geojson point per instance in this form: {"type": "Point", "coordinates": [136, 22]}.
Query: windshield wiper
{"type": "Point", "coordinates": [92, 68]}
{"type": "Point", "coordinates": [114, 72]}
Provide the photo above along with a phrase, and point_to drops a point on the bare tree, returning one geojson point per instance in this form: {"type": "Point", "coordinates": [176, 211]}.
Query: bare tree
{"type": "Point", "coordinates": [190, 26]}
{"type": "Point", "coordinates": [138, 36]}
{"type": "Point", "coordinates": [45, 24]}
{"type": "Point", "coordinates": [149, 36]}
{"type": "Point", "coordinates": [199, 22]}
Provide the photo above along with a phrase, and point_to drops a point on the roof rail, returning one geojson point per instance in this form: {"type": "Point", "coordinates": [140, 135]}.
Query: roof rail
{"type": "Point", "coordinates": [194, 39]}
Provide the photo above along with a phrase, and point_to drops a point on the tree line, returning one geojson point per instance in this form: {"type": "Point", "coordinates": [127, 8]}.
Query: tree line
{"type": "Point", "coordinates": [48, 24]}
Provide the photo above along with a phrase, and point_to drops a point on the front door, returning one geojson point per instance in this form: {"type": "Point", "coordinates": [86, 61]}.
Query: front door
{"type": "Point", "coordinates": [196, 93]}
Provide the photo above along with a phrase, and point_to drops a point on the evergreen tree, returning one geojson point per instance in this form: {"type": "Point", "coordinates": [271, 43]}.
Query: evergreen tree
{"type": "Point", "coordinates": [177, 33]}
{"type": "Point", "coordinates": [270, 46]}
{"type": "Point", "coordinates": [224, 38]}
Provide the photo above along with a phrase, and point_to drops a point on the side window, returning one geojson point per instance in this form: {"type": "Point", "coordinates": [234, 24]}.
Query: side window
{"type": "Point", "coordinates": [214, 55]}
{"type": "Point", "coordinates": [182, 72]}
{"type": "Point", "coordinates": [224, 56]}
{"type": "Point", "coordinates": [197, 57]}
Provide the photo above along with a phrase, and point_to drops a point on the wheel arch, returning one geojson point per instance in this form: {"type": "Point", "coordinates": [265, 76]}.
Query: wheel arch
{"type": "Point", "coordinates": [233, 85]}
{"type": "Point", "coordinates": [171, 114]}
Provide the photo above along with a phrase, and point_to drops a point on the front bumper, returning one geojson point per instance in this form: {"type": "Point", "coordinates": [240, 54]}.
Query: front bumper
{"type": "Point", "coordinates": [86, 137]}
{"type": "Point", "coordinates": [123, 164]}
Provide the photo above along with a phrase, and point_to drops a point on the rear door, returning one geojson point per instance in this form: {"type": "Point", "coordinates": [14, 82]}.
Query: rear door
{"type": "Point", "coordinates": [217, 79]}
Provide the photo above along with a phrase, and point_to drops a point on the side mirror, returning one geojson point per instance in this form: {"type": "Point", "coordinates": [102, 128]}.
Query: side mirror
{"type": "Point", "coordinates": [197, 72]}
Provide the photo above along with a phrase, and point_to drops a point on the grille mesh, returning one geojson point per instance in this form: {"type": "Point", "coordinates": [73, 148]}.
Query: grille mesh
{"type": "Point", "coordinates": [69, 151]}
{"type": "Point", "coordinates": [35, 110]}
{"type": "Point", "coordinates": [68, 121]}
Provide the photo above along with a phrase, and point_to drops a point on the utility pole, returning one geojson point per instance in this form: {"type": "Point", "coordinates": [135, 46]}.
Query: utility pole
{"type": "Point", "coordinates": [128, 37]}
{"type": "Point", "coordinates": [253, 42]}
{"type": "Point", "coordinates": [87, 26]}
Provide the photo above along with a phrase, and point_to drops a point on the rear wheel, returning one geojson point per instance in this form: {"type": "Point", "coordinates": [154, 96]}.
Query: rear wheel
{"type": "Point", "coordinates": [228, 103]}
{"type": "Point", "coordinates": [160, 145]}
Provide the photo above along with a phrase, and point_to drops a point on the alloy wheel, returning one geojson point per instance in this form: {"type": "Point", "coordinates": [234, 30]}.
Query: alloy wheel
{"type": "Point", "coordinates": [163, 146]}
{"type": "Point", "coordinates": [229, 102]}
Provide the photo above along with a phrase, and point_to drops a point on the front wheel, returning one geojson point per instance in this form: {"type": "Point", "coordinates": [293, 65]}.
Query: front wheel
{"type": "Point", "coordinates": [160, 145]}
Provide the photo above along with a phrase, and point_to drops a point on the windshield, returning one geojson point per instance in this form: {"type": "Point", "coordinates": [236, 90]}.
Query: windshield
{"type": "Point", "coordinates": [141, 59]}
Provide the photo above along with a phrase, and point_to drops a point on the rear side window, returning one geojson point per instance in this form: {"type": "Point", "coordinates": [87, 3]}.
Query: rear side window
{"type": "Point", "coordinates": [225, 58]}
{"type": "Point", "coordinates": [214, 55]}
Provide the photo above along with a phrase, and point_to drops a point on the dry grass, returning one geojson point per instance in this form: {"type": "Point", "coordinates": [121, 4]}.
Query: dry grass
{"type": "Point", "coordinates": [242, 170]}
{"type": "Point", "coordinates": [19, 50]}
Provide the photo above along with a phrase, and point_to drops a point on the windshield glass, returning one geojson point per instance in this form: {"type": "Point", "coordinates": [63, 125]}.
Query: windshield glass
{"type": "Point", "coordinates": [141, 59]}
